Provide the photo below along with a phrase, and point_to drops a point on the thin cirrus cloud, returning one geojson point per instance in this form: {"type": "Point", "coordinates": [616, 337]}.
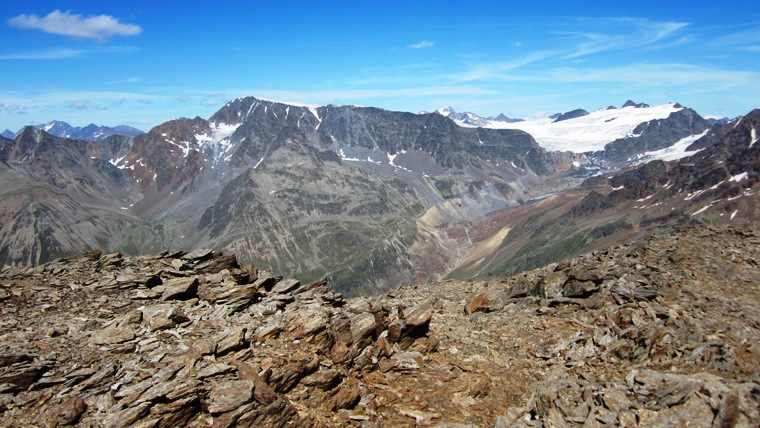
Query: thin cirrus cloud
{"type": "Point", "coordinates": [640, 33]}
{"type": "Point", "coordinates": [656, 75]}
{"type": "Point", "coordinates": [49, 54]}
{"type": "Point", "coordinates": [627, 34]}
{"type": "Point", "coordinates": [421, 45]}
{"type": "Point", "coordinates": [100, 27]}
{"type": "Point", "coordinates": [131, 79]}
{"type": "Point", "coordinates": [67, 53]}
{"type": "Point", "coordinates": [85, 105]}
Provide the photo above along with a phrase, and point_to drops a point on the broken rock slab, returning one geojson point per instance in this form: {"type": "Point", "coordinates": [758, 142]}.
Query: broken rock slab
{"type": "Point", "coordinates": [180, 289]}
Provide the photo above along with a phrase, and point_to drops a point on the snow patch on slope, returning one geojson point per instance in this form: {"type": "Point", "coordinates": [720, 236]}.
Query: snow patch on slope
{"type": "Point", "coordinates": [674, 152]}
{"type": "Point", "coordinates": [219, 141]}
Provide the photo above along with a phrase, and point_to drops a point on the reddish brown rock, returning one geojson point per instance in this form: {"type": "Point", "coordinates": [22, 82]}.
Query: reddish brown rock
{"type": "Point", "coordinates": [70, 411]}
{"type": "Point", "coordinates": [479, 303]}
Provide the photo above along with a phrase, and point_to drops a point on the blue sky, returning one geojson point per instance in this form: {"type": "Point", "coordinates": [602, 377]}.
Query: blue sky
{"type": "Point", "coordinates": [143, 63]}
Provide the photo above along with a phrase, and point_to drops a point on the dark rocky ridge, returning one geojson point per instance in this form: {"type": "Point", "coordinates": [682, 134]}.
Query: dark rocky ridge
{"type": "Point", "coordinates": [573, 114]}
{"type": "Point", "coordinates": [656, 135]}
{"type": "Point", "coordinates": [631, 103]}
{"type": "Point", "coordinates": [652, 333]}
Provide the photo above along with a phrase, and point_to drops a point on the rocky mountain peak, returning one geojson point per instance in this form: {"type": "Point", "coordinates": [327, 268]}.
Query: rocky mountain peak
{"type": "Point", "coordinates": [446, 111]}
{"type": "Point", "coordinates": [503, 118]}
{"type": "Point", "coordinates": [30, 141]}
{"type": "Point", "coordinates": [631, 103]}
{"type": "Point", "coordinates": [573, 114]}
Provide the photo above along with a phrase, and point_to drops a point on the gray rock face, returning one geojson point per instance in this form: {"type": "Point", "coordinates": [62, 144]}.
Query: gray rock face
{"type": "Point", "coordinates": [656, 135]}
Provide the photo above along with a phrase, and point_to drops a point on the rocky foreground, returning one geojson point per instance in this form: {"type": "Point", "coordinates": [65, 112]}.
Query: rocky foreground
{"type": "Point", "coordinates": [665, 332]}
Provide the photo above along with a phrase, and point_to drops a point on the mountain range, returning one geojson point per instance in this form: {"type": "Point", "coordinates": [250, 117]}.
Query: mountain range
{"type": "Point", "coordinates": [90, 132]}
{"type": "Point", "coordinates": [370, 198]}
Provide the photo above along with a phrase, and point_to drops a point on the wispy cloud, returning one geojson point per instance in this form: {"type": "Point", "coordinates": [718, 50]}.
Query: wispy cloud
{"type": "Point", "coordinates": [639, 74]}
{"type": "Point", "coordinates": [630, 33]}
{"type": "Point", "coordinates": [360, 96]}
{"type": "Point", "coordinates": [50, 54]}
{"type": "Point", "coordinates": [130, 79]}
{"type": "Point", "coordinates": [570, 47]}
{"type": "Point", "coordinates": [746, 39]}
{"type": "Point", "coordinates": [100, 27]}
{"type": "Point", "coordinates": [72, 99]}
{"type": "Point", "coordinates": [85, 105]}
{"type": "Point", "coordinates": [496, 71]}
{"type": "Point", "coordinates": [13, 108]}
{"type": "Point", "coordinates": [67, 53]}
{"type": "Point", "coordinates": [655, 75]}
{"type": "Point", "coordinates": [421, 45]}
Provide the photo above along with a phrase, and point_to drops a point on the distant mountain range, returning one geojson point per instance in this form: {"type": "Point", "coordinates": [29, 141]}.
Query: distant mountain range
{"type": "Point", "coordinates": [366, 197]}
{"type": "Point", "coordinates": [472, 119]}
{"type": "Point", "coordinates": [90, 132]}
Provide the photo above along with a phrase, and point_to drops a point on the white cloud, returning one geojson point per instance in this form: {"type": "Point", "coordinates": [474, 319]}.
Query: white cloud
{"type": "Point", "coordinates": [421, 45]}
{"type": "Point", "coordinates": [98, 27]}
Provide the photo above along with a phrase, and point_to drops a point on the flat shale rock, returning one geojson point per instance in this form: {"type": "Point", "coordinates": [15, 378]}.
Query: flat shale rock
{"type": "Point", "coordinates": [229, 396]}
{"type": "Point", "coordinates": [663, 332]}
{"type": "Point", "coordinates": [180, 289]}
